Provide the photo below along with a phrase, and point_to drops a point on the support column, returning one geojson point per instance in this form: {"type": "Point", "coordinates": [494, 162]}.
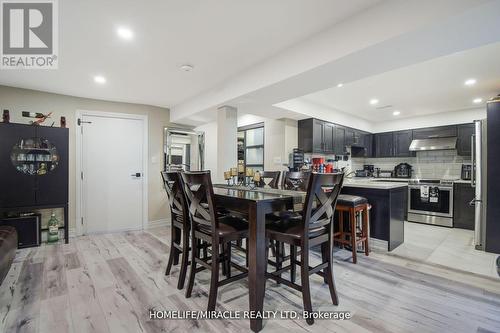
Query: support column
{"type": "Point", "coordinates": [227, 143]}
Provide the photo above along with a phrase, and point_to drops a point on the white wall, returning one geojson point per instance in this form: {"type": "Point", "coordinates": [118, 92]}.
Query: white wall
{"type": "Point", "coordinates": [438, 119]}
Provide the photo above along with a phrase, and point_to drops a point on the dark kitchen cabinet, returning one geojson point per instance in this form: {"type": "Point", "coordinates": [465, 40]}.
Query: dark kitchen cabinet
{"type": "Point", "coordinates": [384, 144]}
{"type": "Point", "coordinates": [328, 138]}
{"type": "Point", "coordinates": [349, 139]}
{"type": "Point", "coordinates": [435, 132]}
{"type": "Point", "coordinates": [317, 135]}
{"type": "Point", "coordinates": [339, 140]}
{"type": "Point", "coordinates": [368, 142]}
{"type": "Point", "coordinates": [464, 139]}
{"type": "Point", "coordinates": [402, 141]}
{"type": "Point", "coordinates": [463, 212]}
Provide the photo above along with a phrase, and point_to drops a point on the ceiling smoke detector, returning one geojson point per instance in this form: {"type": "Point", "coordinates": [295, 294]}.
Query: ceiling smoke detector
{"type": "Point", "coordinates": [187, 68]}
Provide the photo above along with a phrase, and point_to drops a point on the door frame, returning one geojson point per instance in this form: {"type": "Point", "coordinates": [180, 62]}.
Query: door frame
{"type": "Point", "coordinates": [78, 159]}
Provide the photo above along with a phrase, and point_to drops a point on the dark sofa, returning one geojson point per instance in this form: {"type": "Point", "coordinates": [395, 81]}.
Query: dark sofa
{"type": "Point", "coordinates": [8, 247]}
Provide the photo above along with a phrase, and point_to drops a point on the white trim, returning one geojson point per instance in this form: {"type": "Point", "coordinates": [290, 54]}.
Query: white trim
{"type": "Point", "coordinates": [145, 160]}
{"type": "Point", "coordinates": [158, 223]}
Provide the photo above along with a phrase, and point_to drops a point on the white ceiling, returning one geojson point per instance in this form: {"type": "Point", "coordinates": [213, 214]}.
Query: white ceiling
{"type": "Point", "coordinates": [219, 37]}
{"type": "Point", "coordinates": [429, 87]}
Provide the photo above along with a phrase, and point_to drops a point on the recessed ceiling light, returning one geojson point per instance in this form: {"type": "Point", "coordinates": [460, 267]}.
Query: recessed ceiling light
{"type": "Point", "coordinates": [125, 33]}
{"type": "Point", "coordinates": [396, 113]}
{"type": "Point", "coordinates": [187, 68]}
{"type": "Point", "coordinates": [99, 79]}
{"type": "Point", "coordinates": [340, 85]}
{"type": "Point", "coordinates": [470, 82]}
{"type": "Point", "coordinates": [477, 100]}
{"type": "Point", "coordinates": [373, 101]}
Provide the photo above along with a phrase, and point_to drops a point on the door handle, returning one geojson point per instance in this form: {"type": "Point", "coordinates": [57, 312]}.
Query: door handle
{"type": "Point", "coordinates": [473, 202]}
{"type": "Point", "coordinates": [137, 175]}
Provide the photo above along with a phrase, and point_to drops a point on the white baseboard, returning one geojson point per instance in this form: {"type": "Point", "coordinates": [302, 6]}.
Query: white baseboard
{"type": "Point", "coordinates": [157, 223]}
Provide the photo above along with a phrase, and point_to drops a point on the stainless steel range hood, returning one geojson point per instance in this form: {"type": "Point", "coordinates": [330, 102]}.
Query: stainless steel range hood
{"type": "Point", "coordinates": [434, 144]}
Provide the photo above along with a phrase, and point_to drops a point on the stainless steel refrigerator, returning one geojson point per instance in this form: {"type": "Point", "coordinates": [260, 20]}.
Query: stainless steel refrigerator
{"type": "Point", "coordinates": [479, 180]}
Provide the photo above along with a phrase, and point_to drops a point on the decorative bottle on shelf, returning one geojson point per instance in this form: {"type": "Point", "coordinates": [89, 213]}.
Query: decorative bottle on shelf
{"type": "Point", "coordinates": [53, 229]}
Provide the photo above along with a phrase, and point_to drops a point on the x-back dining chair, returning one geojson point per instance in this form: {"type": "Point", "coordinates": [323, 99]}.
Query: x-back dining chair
{"type": "Point", "coordinates": [270, 179]}
{"type": "Point", "coordinates": [179, 240]}
{"type": "Point", "coordinates": [217, 230]}
{"type": "Point", "coordinates": [295, 180]}
{"type": "Point", "coordinates": [315, 227]}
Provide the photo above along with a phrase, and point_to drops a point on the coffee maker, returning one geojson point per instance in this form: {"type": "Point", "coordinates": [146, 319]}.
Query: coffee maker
{"type": "Point", "coordinates": [369, 168]}
{"type": "Point", "coordinates": [402, 170]}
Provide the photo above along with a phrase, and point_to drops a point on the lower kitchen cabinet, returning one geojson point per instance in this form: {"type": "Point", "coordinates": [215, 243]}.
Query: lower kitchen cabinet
{"type": "Point", "coordinates": [463, 213]}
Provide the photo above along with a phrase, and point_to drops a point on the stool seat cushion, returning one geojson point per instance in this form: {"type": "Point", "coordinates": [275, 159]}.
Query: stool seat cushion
{"type": "Point", "coordinates": [351, 200]}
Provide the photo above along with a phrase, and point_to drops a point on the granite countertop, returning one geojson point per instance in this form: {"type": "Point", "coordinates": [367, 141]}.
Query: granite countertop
{"type": "Point", "coordinates": [374, 184]}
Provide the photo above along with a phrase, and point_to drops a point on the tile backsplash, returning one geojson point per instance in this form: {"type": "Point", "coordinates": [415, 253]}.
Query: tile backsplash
{"type": "Point", "coordinates": [437, 164]}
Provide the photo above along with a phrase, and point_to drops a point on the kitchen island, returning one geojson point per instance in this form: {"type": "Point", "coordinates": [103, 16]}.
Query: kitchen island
{"type": "Point", "coordinates": [389, 201]}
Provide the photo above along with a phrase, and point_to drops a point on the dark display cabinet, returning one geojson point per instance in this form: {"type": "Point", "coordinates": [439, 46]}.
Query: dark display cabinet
{"type": "Point", "coordinates": [33, 169]}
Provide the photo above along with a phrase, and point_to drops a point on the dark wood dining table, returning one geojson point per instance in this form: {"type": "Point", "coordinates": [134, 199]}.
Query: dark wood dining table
{"type": "Point", "coordinates": [255, 204]}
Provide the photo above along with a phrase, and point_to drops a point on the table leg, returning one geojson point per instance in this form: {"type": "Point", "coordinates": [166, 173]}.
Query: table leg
{"type": "Point", "coordinates": [257, 261]}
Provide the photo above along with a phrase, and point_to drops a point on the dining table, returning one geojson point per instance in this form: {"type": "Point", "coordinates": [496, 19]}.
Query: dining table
{"type": "Point", "coordinates": [255, 203]}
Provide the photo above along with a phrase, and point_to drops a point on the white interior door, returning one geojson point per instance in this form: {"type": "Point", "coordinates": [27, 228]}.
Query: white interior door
{"type": "Point", "coordinates": [112, 166]}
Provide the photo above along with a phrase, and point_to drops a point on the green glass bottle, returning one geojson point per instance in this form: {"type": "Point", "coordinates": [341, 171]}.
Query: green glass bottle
{"type": "Point", "coordinates": [53, 229]}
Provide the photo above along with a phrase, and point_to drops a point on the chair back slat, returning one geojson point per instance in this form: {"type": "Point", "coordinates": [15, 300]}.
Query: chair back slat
{"type": "Point", "coordinates": [273, 175]}
{"type": "Point", "coordinates": [321, 199]}
{"type": "Point", "coordinates": [200, 199]}
{"type": "Point", "coordinates": [177, 202]}
{"type": "Point", "coordinates": [295, 180]}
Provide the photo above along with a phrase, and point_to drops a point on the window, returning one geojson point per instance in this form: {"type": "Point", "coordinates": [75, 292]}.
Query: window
{"type": "Point", "coordinates": [251, 148]}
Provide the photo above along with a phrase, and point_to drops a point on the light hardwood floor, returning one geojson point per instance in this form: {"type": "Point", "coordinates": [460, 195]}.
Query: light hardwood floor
{"type": "Point", "coordinates": [450, 247]}
{"type": "Point", "coordinates": [107, 283]}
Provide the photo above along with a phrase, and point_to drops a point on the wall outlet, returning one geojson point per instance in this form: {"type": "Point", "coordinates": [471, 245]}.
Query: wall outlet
{"type": "Point", "coordinates": [277, 160]}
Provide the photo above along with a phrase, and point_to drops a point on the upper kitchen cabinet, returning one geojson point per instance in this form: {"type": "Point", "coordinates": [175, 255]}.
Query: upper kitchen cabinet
{"type": "Point", "coordinates": [350, 136]}
{"type": "Point", "coordinates": [316, 136]}
{"type": "Point", "coordinates": [464, 139]}
{"type": "Point", "coordinates": [328, 138]}
{"type": "Point", "coordinates": [402, 141]}
{"type": "Point", "coordinates": [339, 140]}
{"type": "Point", "coordinates": [310, 135]}
{"type": "Point", "coordinates": [434, 132]}
{"type": "Point", "coordinates": [384, 144]}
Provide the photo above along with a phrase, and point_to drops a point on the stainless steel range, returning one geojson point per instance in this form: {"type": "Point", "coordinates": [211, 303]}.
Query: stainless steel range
{"type": "Point", "coordinates": [430, 201]}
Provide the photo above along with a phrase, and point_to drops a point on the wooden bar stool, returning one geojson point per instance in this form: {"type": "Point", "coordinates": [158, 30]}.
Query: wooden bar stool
{"type": "Point", "coordinates": [357, 208]}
